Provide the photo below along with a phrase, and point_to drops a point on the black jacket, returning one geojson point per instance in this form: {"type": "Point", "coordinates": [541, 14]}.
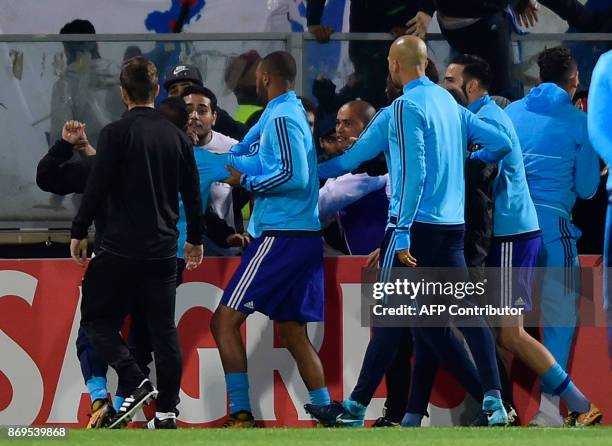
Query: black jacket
{"type": "Point", "coordinates": [61, 173]}
{"type": "Point", "coordinates": [226, 125]}
{"type": "Point", "coordinates": [471, 8]}
{"type": "Point", "coordinates": [373, 15]}
{"type": "Point", "coordinates": [479, 179]}
{"type": "Point", "coordinates": [143, 161]}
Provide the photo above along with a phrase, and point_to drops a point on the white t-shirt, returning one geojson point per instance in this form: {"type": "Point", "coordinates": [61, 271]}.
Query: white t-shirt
{"type": "Point", "coordinates": [220, 197]}
{"type": "Point", "coordinates": [338, 193]}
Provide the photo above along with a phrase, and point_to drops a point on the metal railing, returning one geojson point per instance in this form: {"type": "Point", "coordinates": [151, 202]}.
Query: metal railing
{"type": "Point", "coordinates": [301, 45]}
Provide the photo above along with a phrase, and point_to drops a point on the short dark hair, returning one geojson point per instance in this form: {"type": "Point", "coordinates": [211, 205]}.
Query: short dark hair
{"type": "Point", "coordinates": [475, 67]}
{"type": "Point", "coordinates": [139, 79]}
{"type": "Point", "coordinates": [282, 64]}
{"type": "Point", "coordinates": [364, 110]}
{"type": "Point", "coordinates": [557, 65]}
{"type": "Point", "coordinates": [174, 110]}
{"type": "Point", "coordinates": [79, 26]}
{"type": "Point", "coordinates": [203, 91]}
{"type": "Point", "coordinates": [308, 105]}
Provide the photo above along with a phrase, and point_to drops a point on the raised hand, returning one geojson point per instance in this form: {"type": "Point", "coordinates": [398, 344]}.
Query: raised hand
{"type": "Point", "coordinates": [73, 132]}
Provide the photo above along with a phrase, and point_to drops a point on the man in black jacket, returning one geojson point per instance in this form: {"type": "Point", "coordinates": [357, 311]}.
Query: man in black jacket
{"type": "Point", "coordinates": [370, 57]}
{"type": "Point", "coordinates": [143, 163]}
{"type": "Point", "coordinates": [59, 173]}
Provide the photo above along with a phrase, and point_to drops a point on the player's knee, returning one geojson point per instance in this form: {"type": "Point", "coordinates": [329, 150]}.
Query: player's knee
{"type": "Point", "coordinates": [225, 320]}
{"type": "Point", "coordinates": [292, 333]}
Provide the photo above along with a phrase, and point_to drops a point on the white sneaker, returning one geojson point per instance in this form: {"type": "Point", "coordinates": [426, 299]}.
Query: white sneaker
{"type": "Point", "coordinates": [543, 419]}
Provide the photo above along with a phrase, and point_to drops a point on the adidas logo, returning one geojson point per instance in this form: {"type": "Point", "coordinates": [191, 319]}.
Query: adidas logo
{"type": "Point", "coordinates": [249, 305]}
{"type": "Point", "coordinates": [519, 301]}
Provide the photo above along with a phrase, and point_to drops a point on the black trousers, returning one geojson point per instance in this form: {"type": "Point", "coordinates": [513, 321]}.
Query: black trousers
{"type": "Point", "coordinates": [397, 379]}
{"type": "Point", "coordinates": [112, 287]}
{"type": "Point", "coordinates": [488, 38]}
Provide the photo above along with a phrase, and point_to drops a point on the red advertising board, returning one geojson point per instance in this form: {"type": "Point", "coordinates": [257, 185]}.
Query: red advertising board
{"type": "Point", "coordinates": [40, 381]}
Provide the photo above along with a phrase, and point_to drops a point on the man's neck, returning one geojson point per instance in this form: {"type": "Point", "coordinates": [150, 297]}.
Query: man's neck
{"type": "Point", "coordinates": [206, 139]}
{"type": "Point", "coordinates": [412, 75]}
{"type": "Point", "coordinates": [132, 105]}
{"type": "Point", "coordinates": [273, 93]}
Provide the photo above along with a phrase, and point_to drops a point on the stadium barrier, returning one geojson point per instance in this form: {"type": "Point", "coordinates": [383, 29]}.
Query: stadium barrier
{"type": "Point", "coordinates": [41, 383]}
{"type": "Point", "coordinates": [39, 93]}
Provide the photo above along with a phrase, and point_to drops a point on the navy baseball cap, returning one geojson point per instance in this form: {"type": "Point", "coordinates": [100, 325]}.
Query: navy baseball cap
{"type": "Point", "coordinates": [179, 73]}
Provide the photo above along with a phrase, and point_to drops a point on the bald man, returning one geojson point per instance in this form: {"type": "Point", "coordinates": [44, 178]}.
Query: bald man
{"type": "Point", "coordinates": [358, 202]}
{"type": "Point", "coordinates": [427, 142]}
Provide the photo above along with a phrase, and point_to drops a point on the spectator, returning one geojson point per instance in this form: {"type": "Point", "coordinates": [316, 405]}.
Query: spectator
{"type": "Point", "coordinates": [180, 77]}
{"type": "Point", "coordinates": [484, 29]}
{"type": "Point", "coordinates": [370, 57]}
{"type": "Point", "coordinates": [202, 108]}
{"type": "Point", "coordinates": [311, 111]}
{"type": "Point", "coordinates": [358, 201]}
{"type": "Point", "coordinates": [240, 78]}
{"type": "Point", "coordinates": [87, 90]}
{"type": "Point", "coordinates": [328, 141]}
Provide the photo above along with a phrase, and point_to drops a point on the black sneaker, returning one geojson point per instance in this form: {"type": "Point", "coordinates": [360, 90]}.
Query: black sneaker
{"type": "Point", "coordinates": [144, 394]}
{"type": "Point", "coordinates": [384, 422]}
{"type": "Point", "coordinates": [156, 423]}
{"type": "Point", "coordinates": [333, 415]}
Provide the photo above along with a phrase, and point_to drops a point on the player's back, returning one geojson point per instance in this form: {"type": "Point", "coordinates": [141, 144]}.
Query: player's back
{"type": "Point", "coordinates": [551, 131]}
{"type": "Point", "coordinates": [286, 198]}
{"type": "Point", "coordinates": [143, 203]}
{"type": "Point", "coordinates": [442, 199]}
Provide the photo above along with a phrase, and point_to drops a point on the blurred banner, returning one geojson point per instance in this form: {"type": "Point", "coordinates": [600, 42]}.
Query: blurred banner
{"type": "Point", "coordinates": [41, 382]}
{"type": "Point", "coordinates": [139, 16]}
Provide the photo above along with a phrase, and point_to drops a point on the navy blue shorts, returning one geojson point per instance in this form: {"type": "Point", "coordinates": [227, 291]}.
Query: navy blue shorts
{"type": "Point", "coordinates": [281, 276]}
{"type": "Point", "coordinates": [516, 260]}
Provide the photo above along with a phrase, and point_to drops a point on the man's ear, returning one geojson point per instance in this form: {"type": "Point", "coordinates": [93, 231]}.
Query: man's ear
{"type": "Point", "coordinates": [124, 96]}
{"type": "Point", "coordinates": [214, 118]}
{"type": "Point", "coordinates": [157, 91]}
{"type": "Point", "coordinates": [575, 79]}
{"type": "Point", "coordinates": [471, 85]}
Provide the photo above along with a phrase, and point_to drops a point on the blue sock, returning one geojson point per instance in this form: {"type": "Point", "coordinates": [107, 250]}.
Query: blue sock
{"type": "Point", "coordinates": [117, 402]}
{"type": "Point", "coordinates": [96, 386]}
{"type": "Point", "coordinates": [238, 389]}
{"type": "Point", "coordinates": [319, 397]}
{"type": "Point", "coordinates": [557, 379]}
{"type": "Point", "coordinates": [412, 420]}
{"type": "Point", "coordinates": [492, 403]}
{"type": "Point", "coordinates": [495, 393]}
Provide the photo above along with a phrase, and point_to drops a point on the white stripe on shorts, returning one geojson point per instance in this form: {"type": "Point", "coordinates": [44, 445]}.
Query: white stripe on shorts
{"type": "Point", "coordinates": [506, 274]}
{"type": "Point", "coordinates": [249, 273]}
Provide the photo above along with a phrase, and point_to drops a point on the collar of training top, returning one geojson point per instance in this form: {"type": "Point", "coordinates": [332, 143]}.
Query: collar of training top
{"type": "Point", "coordinates": [290, 95]}
{"type": "Point", "coordinates": [423, 80]}
{"type": "Point", "coordinates": [479, 103]}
